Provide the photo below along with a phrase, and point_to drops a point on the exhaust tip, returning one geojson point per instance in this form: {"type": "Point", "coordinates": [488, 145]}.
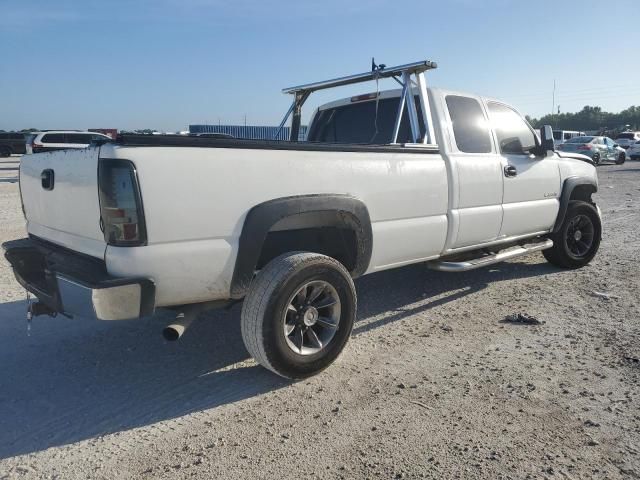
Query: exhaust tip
{"type": "Point", "coordinates": [172, 332]}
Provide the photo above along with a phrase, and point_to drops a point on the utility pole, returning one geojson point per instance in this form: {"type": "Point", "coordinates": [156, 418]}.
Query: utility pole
{"type": "Point", "coordinates": [553, 99]}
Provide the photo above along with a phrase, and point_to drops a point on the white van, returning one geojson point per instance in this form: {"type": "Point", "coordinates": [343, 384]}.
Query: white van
{"type": "Point", "coordinates": [561, 136]}
{"type": "Point", "coordinates": [59, 140]}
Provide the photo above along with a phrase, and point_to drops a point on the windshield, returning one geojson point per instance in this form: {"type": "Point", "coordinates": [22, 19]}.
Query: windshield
{"type": "Point", "coordinates": [580, 140]}
{"type": "Point", "coordinates": [627, 136]}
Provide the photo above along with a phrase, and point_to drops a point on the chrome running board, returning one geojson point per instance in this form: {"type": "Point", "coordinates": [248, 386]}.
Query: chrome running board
{"type": "Point", "coordinates": [507, 254]}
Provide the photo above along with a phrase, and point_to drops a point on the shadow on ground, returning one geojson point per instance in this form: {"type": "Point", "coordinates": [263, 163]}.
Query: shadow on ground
{"type": "Point", "coordinates": [73, 380]}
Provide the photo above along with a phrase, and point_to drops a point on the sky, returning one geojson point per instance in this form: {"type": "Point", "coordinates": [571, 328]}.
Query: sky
{"type": "Point", "coordinates": [165, 64]}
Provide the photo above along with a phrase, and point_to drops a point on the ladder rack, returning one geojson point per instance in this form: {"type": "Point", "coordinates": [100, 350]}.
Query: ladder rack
{"type": "Point", "coordinates": [401, 73]}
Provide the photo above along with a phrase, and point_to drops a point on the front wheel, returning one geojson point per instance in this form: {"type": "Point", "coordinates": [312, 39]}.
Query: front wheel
{"type": "Point", "coordinates": [621, 158]}
{"type": "Point", "coordinates": [578, 239]}
{"type": "Point", "coordinates": [298, 314]}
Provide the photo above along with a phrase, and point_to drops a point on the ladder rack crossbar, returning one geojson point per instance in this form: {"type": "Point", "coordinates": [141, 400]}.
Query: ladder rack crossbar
{"type": "Point", "coordinates": [409, 68]}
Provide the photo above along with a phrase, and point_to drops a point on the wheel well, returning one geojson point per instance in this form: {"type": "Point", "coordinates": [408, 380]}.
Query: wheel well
{"type": "Point", "coordinates": [328, 233]}
{"type": "Point", "coordinates": [582, 192]}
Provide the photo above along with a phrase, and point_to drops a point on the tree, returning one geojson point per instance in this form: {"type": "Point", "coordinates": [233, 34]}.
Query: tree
{"type": "Point", "coordinates": [592, 118]}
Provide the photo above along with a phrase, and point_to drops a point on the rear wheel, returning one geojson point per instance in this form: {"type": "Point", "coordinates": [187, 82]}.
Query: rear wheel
{"type": "Point", "coordinates": [596, 158]}
{"type": "Point", "coordinates": [298, 314]}
{"type": "Point", "coordinates": [578, 239]}
{"type": "Point", "coordinates": [621, 158]}
{"type": "Point", "coordinates": [5, 152]}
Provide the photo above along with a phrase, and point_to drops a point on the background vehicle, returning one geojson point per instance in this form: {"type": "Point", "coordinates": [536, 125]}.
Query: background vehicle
{"type": "Point", "coordinates": [626, 139]}
{"type": "Point", "coordinates": [11, 142]}
{"type": "Point", "coordinates": [633, 152]}
{"type": "Point", "coordinates": [600, 149]}
{"type": "Point", "coordinates": [61, 139]}
{"type": "Point", "coordinates": [455, 180]}
{"type": "Point", "coordinates": [561, 136]}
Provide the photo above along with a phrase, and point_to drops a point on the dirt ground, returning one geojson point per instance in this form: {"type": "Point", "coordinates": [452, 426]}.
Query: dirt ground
{"type": "Point", "coordinates": [431, 385]}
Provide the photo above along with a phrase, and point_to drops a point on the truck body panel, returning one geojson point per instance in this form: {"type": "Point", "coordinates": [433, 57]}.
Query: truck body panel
{"type": "Point", "coordinates": [423, 203]}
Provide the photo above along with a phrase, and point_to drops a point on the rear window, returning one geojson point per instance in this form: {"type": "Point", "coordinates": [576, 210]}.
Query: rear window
{"type": "Point", "coordinates": [627, 136]}
{"type": "Point", "coordinates": [53, 138]}
{"type": "Point", "coordinates": [356, 123]}
{"type": "Point", "coordinates": [470, 128]}
{"type": "Point", "coordinates": [580, 140]}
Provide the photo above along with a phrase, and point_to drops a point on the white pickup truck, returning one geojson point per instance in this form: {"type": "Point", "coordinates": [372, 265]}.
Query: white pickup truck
{"type": "Point", "coordinates": [386, 179]}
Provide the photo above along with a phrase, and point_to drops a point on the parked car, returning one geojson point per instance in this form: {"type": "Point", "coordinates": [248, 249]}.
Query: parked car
{"type": "Point", "coordinates": [626, 139]}
{"type": "Point", "coordinates": [561, 136]}
{"type": "Point", "coordinates": [633, 152]}
{"type": "Point", "coordinates": [455, 180]}
{"type": "Point", "coordinates": [11, 142]}
{"type": "Point", "coordinates": [599, 149]}
{"type": "Point", "coordinates": [61, 139]}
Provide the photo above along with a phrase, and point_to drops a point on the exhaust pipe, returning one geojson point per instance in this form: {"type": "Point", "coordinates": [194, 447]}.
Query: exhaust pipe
{"type": "Point", "coordinates": [187, 314]}
{"type": "Point", "coordinates": [173, 332]}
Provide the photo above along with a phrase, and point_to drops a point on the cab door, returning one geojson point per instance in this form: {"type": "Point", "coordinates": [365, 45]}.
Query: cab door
{"type": "Point", "coordinates": [612, 153]}
{"type": "Point", "coordinates": [531, 192]}
{"type": "Point", "coordinates": [475, 196]}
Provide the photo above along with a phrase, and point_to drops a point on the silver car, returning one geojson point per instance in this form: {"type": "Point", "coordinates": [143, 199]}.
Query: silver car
{"type": "Point", "coordinates": [600, 149]}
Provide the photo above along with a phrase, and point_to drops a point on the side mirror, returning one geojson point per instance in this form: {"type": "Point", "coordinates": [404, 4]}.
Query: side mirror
{"type": "Point", "coordinates": [546, 138]}
{"type": "Point", "coordinates": [615, 145]}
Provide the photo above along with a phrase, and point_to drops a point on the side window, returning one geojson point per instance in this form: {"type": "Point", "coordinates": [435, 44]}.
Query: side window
{"type": "Point", "coordinates": [470, 128]}
{"type": "Point", "coordinates": [78, 138]}
{"type": "Point", "coordinates": [53, 138]}
{"type": "Point", "coordinates": [514, 134]}
{"type": "Point", "coordinates": [568, 136]}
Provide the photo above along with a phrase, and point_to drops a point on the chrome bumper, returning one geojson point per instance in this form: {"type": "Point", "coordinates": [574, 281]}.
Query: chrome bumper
{"type": "Point", "coordinates": [75, 285]}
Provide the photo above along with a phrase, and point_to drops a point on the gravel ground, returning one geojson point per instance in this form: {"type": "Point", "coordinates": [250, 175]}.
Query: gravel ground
{"type": "Point", "coordinates": [432, 384]}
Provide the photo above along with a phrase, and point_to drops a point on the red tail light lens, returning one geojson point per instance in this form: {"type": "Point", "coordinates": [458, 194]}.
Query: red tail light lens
{"type": "Point", "coordinates": [122, 216]}
{"type": "Point", "coordinates": [584, 147]}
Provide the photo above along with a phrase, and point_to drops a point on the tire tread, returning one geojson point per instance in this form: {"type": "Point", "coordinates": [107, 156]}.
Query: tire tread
{"type": "Point", "coordinates": [262, 289]}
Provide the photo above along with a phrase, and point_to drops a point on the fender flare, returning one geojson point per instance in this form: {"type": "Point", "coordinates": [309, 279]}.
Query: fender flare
{"type": "Point", "coordinates": [262, 217]}
{"type": "Point", "coordinates": [568, 187]}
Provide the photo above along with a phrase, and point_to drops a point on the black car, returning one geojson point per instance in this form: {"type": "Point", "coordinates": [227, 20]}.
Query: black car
{"type": "Point", "coordinates": [11, 142]}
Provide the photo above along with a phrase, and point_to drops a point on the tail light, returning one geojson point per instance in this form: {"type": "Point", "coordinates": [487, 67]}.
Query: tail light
{"type": "Point", "coordinates": [122, 216]}
{"type": "Point", "coordinates": [584, 147]}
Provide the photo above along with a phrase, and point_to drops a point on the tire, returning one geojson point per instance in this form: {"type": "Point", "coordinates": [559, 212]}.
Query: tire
{"type": "Point", "coordinates": [622, 157]}
{"type": "Point", "coordinates": [5, 152]}
{"type": "Point", "coordinates": [596, 158]}
{"type": "Point", "coordinates": [578, 239]}
{"type": "Point", "coordinates": [281, 331]}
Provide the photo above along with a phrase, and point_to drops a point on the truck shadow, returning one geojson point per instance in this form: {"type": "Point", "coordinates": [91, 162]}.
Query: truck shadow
{"type": "Point", "coordinates": [74, 380]}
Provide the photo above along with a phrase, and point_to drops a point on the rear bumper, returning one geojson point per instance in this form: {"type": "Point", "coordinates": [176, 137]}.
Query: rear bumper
{"type": "Point", "coordinates": [77, 285]}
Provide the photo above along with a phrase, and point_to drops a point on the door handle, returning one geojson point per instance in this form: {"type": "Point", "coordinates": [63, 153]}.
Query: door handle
{"type": "Point", "coordinates": [510, 171]}
{"type": "Point", "coordinates": [47, 178]}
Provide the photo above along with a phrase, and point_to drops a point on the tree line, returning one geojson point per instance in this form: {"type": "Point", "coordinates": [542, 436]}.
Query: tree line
{"type": "Point", "coordinates": [591, 118]}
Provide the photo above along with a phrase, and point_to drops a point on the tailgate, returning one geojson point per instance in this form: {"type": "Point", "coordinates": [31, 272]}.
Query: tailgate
{"type": "Point", "coordinates": [64, 207]}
